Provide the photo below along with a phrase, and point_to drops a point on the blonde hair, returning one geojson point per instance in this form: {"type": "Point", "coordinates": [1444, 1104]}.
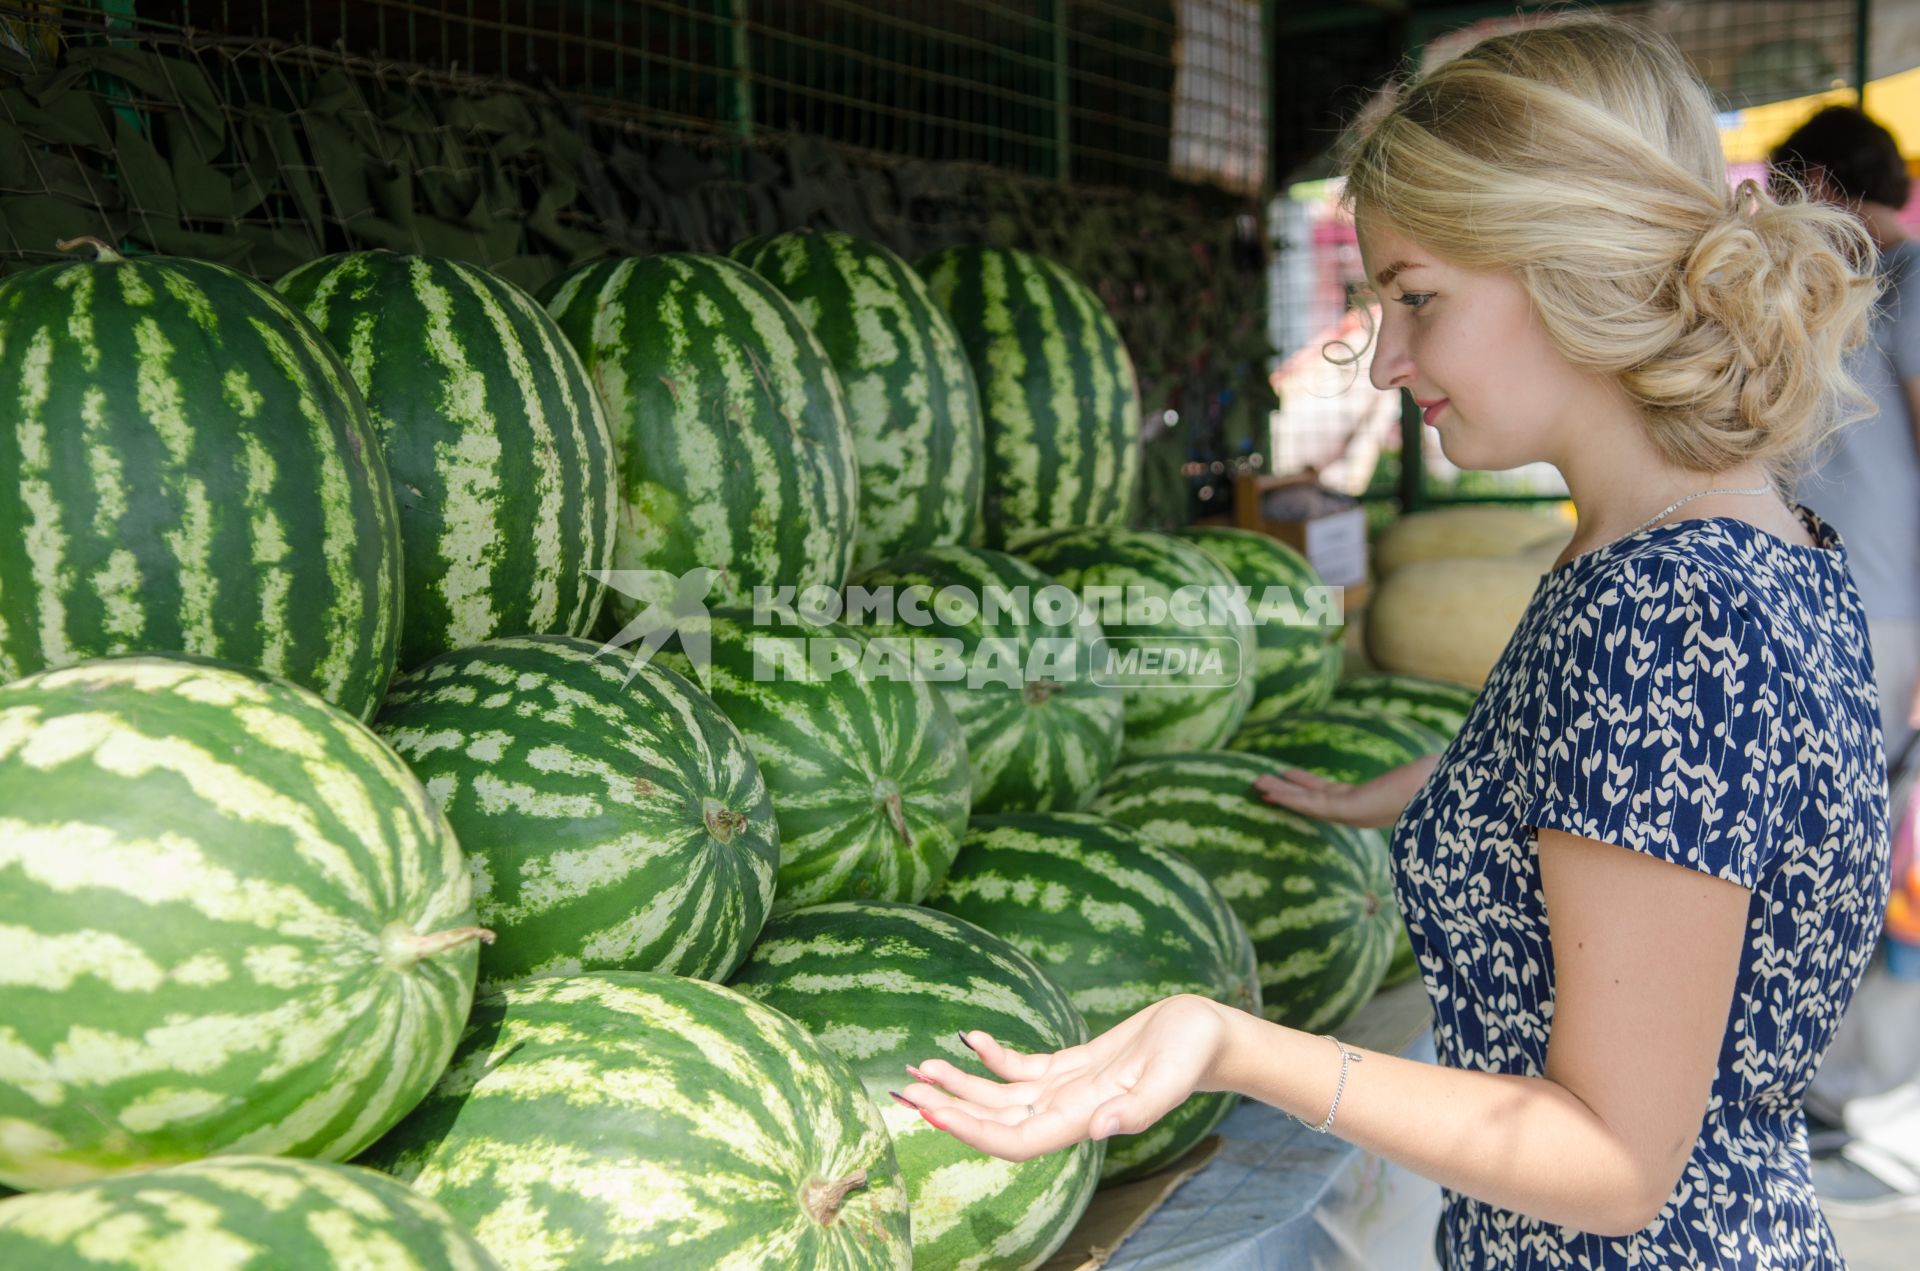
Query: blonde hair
{"type": "Point", "coordinates": [1581, 157]}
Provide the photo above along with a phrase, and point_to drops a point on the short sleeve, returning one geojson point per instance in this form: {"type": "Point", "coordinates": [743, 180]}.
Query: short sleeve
{"type": "Point", "coordinates": [1655, 722]}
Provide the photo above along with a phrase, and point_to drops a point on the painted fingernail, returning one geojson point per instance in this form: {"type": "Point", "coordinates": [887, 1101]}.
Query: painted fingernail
{"type": "Point", "coordinates": [900, 1098]}
{"type": "Point", "coordinates": [966, 1043]}
{"type": "Point", "coordinates": [928, 1118]}
{"type": "Point", "coordinates": [918, 1075]}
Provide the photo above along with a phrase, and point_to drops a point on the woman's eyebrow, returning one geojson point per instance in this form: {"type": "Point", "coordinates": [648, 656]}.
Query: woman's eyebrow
{"type": "Point", "coordinates": [1392, 271]}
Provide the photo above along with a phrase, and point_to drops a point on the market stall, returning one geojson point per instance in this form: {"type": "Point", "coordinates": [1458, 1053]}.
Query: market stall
{"type": "Point", "coordinates": [580, 588]}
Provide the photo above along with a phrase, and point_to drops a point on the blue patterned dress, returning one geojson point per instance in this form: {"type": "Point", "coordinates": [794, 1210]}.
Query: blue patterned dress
{"type": "Point", "coordinates": [1701, 692]}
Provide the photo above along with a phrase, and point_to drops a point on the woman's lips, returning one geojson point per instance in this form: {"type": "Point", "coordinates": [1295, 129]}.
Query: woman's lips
{"type": "Point", "coordinates": [1432, 413]}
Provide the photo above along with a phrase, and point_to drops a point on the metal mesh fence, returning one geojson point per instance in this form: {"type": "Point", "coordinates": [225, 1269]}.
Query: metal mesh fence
{"type": "Point", "coordinates": [1092, 91]}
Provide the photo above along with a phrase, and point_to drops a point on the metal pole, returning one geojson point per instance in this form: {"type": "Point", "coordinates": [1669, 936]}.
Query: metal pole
{"type": "Point", "coordinates": [1062, 148]}
{"type": "Point", "coordinates": [742, 72]}
{"type": "Point", "coordinates": [1862, 24]}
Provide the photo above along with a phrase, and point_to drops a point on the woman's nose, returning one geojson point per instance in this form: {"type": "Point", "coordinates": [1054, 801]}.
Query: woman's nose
{"type": "Point", "coordinates": [1391, 367]}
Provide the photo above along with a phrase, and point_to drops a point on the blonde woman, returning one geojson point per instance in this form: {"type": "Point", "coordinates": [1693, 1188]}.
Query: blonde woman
{"type": "Point", "coordinates": [1645, 878]}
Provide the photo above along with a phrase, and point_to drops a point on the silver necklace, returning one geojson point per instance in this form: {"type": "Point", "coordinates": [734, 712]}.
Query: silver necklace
{"type": "Point", "coordinates": [1666, 511]}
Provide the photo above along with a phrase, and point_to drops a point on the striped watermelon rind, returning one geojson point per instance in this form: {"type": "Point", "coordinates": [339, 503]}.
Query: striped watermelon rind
{"type": "Point", "coordinates": [1438, 704]}
{"type": "Point", "coordinates": [501, 461]}
{"type": "Point", "coordinates": [868, 772]}
{"type": "Point", "coordinates": [192, 471]}
{"type": "Point", "coordinates": [611, 824]}
{"type": "Point", "coordinates": [240, 1213]}
{"type": "Point", "coordinates": [1317, 898]}
{"type": "Point", "coordinates": [1177, 712]}
{"type": "Point", "coordinates": [909, 391]}
{"type": "Point", "coordinates": [1120, 924]}
{"type": "Point", "coordinates": [1061, 402]}
{"type": "Point", "coordinates": [729, 427]}
{"type": "Point", "coordinates": [884, 985]}
{"type": "Point", "coordinates": [1040, 742]}
{"type": "Point", "coordinates": [630, 1118]}
{"type": "Point", "coordinates": [1295, 664]}
{"type": "Point", "coordinates": [236, 923]}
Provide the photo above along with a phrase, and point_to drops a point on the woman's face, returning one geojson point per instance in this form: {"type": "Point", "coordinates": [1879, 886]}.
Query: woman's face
{"type": "Point", "coordinates": [1472, 341]}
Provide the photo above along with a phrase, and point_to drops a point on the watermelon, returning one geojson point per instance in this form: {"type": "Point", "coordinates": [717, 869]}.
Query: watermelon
{"type": "Point", "coordinates": [911, 401]}
{"type": "Point", "coordinates": [232, 922]}
{"type": "Point", "coordinates": [1167, 708]}
{"type": "Point", "coordinates": [1119, 924]}
{"type": "Point", "coordinates": [868, 771]}
{"type": "Point", "coordinates": [1041, 733]}
{"type": "Point", "coordinates": [885, 985]}
{"type": "Point", "coordinates": [1341, 742]}
{"type": "Point", "coordinates": [1296, 659]}
{"type": "Point", "coordinates": [236, 1213]}
{"type": "Point", "coordinates": [610, 825]}
{"type": "Point", "coordinates": [192, 472]}
{"type": "Point", "coordinates": [1439, 705]}
{"type": "Point", "coordinates": [496, 442]}
{"type": "Point", "coordinates": [728, 426]}
{"type": "Point", "coordinates": [1345, 742]}
{"type": "Point", "coordinates": [1058, 389]}
{"type": "Point", "coordinates": [1317, 898]}
{"type": "Point", "coordinates": [636, 1119]}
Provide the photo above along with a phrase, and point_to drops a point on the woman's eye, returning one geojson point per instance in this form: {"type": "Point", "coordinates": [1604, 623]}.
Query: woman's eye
{"type": "Point", "coordinates": [1414, 299]}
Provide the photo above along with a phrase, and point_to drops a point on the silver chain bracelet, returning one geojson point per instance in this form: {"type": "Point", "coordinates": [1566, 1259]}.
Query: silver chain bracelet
{"type": "Point", "coordinates": [1347, 1057]}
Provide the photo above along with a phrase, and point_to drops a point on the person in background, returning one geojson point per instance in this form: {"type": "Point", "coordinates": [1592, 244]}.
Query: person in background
{"type": "Point", "coordinates": [1866, 483]}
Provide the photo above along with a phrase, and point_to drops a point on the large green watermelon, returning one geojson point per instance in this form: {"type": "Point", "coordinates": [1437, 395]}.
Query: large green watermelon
{"type": "Point", "coordinates": [1041, 733]}
{"type": "Point", "coordinates": [653, 1122]}
{"type": "Point", "coordinates": [496, 442]}
{"type": "Point", "coordinates": [728, 425]}
{"type": "Point", "coordinates": [868, 770]}
{"type": "Point", "coordinates": [1117, 922]}
{"type": "Point", "coordinates": [1297, 654]}
{"type": "Point", "coordinates": [236, 1213]}
{"type": "Point", "coordinates": [1171, 598]}
{"type": "Point", "coordinates": [886, 985]}
{"type": "Point", "coordinates": [1438, 704]}
{"type": "Point", "coordinates": [232, 922]}
{"type": "Point", "coordinates": [1317, 898]}
{"type": "Point", "coordinates": [188, 469]}
{"type": "Point", "coordinates": [909, 391]}
{"type": "Point", "coordinates": [1058, 389]}
{"type": "Point", "coordinates": [1341, 742]}
{"type": "Point", "coordinates": [611, 825]}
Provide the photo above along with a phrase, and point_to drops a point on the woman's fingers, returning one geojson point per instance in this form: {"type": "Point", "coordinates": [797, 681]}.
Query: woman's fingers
{"type": "Point", "coordinates": [958, 1082]}
{"type": "Point", "coordinates": [1010, 1065]}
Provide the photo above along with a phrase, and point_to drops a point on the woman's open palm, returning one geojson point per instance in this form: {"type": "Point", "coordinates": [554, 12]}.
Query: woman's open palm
{"type": "Point", "coordinates": [1120, 1082]}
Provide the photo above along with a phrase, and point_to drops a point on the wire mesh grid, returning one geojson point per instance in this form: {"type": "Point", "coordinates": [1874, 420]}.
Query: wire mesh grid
{"type": "Point", "coordinates": [1091, 91]}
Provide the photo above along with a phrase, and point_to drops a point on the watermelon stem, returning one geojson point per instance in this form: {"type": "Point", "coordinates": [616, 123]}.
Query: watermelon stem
{"type": "Point", "coordinates": [823, 1200]}
{"type": "Point", "coordinates": [406, 948]}
{"type": "Point", "coordinates": [723, 822]}
{"type": "Point", "coordinates": [105, 250]}
{"type": "Point", "coordinates": [1038, 691]}
{"type": "Point", "coordinates": [897, 813]}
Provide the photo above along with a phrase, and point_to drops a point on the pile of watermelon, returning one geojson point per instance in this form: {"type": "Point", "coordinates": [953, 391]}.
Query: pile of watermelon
{"type": "Point", "coordinates": [459, 808]}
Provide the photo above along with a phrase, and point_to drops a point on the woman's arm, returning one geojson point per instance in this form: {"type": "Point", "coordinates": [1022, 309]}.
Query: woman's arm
{"type": "Point", "coordinates": [1645, 958]}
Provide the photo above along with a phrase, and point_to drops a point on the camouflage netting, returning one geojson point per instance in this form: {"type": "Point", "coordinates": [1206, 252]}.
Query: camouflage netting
{"type": "Point", "coordinates": [264, 156]}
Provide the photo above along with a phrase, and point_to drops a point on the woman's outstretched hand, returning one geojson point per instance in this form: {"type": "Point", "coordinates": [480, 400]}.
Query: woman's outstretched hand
{"type": "Point", "coordinates": [1373, 804]}
{"type": "Point", "coordinates": [1120, 1082]}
